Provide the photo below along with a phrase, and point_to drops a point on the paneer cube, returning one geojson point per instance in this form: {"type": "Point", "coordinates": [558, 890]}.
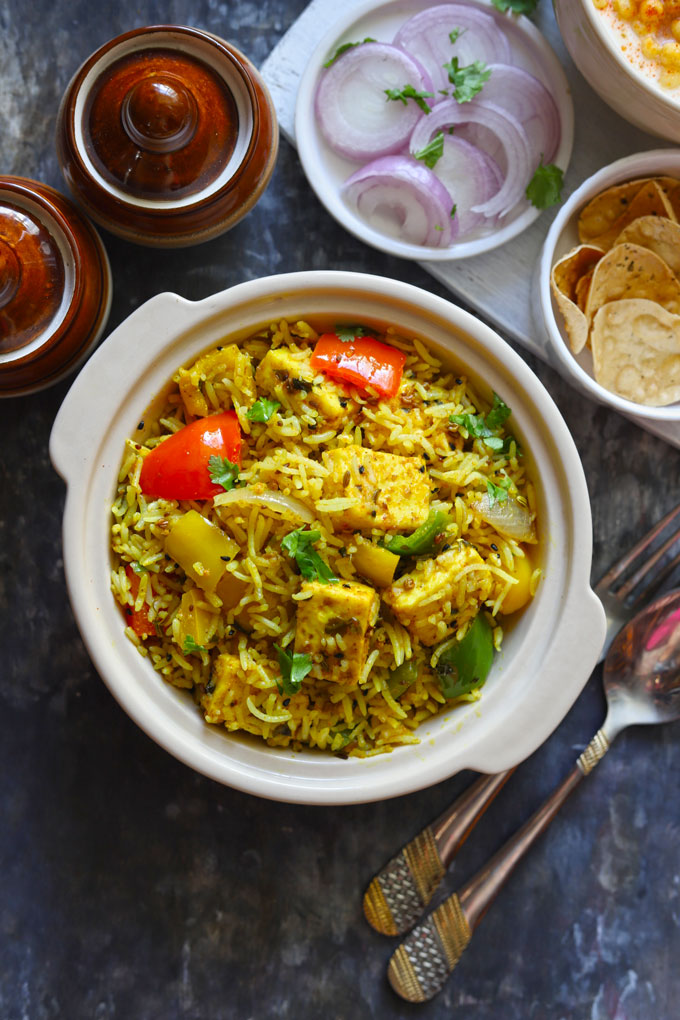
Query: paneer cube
{"type": "Point", "coordinates": [441, 594]}
{"type": "Point", "coordinates": [227, 691]}
{"type": "Point", "coordinates": [391, 492]}
{"type": "Point", "coordinates": [289, 377]}
{"type": "Point", "coordinates": [229, 362]}
{"type": "Point", "coordinates": [333, 626]}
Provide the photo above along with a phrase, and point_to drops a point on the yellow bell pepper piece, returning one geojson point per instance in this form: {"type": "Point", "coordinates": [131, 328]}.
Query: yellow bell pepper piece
{"type": "Point", "coordinates": [231, 590]}
{"type": "Point", "coordinates": [200, 548]}
{"type": "Point", "coordinates": [520, 593]}
{"type": "Point", "coordinates": [375, 564]}
{"type": "Point", "coordinates": [196, 619]}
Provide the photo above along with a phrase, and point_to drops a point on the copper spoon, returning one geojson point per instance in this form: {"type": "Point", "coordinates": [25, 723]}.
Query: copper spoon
{"type": "Point", "coordinates": [642, 686]}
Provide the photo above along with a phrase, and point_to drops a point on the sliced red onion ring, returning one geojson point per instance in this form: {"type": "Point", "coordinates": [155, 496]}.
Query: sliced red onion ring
{"type": "Point", "coordinates": [505, 127]}
{"type": "Point", "coordinates": [470, 177]}
{"type": "Point", "coordinates": [426, 36]}
{"type": "Point", "coordinates": [527, 99]}
{"type": "Point", "coordinates": [355, 116]}
{"type": "Point", "coordinates": [403, 198]}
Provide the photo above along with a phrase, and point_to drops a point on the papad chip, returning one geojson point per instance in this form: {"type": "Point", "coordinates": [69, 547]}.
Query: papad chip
{"type": "Point", "coordinates": [600, 226]}
{"type": "Point", "coordinates": [630, 271]}
{"type": "Point", "coordinates": [657, 234]}
{"type": "Point", "coordinates": [583, 289]}
{"type": "Point", "coordinates": [636, 351]}
{"type": "Point", "coordinates": [564, 282]}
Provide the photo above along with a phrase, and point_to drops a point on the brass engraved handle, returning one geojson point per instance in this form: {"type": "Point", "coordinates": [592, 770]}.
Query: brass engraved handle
{"type": "Point", "coordinates": [422, 963]}
{"type": "Point", "coordinates": [399, 893]}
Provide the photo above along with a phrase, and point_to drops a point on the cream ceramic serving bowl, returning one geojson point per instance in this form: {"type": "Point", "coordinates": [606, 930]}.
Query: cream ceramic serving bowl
{"type": "Point", "coordinates": [620, 81]}
{"type": "Point", "coordinates": [547, 655]}
{"type": "Point", "coordinates": [327, 171]}
{"type": "Point", "coordinates": [561, 238]}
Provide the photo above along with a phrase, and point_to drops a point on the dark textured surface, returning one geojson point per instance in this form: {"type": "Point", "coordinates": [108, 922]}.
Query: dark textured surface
{"type": "Point", "coordinates": [134, 888]}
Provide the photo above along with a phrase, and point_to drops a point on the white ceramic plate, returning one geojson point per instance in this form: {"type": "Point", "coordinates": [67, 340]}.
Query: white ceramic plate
{"type": "Point", "coordinates": [561, 238]}
{"type": "Point", "coordinates": [327, 171]}
{"type": "Point", "coordinates": [547, 655]}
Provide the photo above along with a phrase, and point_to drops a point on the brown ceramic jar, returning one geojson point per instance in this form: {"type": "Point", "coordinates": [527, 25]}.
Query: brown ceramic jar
{"type": "Point", "coordinates": [55, 286]}
{"type": "Point", "coordinates": [167, 136]}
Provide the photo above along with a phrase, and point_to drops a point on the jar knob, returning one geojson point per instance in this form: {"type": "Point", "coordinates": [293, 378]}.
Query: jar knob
{"type": "Point", "coordinates": [159, 113]}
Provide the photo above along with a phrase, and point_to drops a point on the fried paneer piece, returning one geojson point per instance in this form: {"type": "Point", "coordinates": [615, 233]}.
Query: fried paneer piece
{"type": "Point", "coordinates": [392, 492]}
{"type": "Point", "coordinates": [230, 689]}
{"type": "Point", "coordinates": [333, 627]}
{"type": "Point", "coordinates": [441, 594]}
{"type": "Point", "coordinates": [230, 362]}
{"type": "Point", "coordinates": [288, 376]}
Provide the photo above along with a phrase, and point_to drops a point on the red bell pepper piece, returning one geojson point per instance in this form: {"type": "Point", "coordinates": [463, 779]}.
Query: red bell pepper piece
{"type": "Point", "coordinates": [361, 362]}
{"type": "Point", "coordinates": [138, 619]}
{"type": "Point", "coordinates": [178, 468]}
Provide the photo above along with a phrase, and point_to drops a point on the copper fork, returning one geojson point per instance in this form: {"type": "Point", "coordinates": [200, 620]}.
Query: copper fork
{"type": "Point", "coordinates": [399, 893]}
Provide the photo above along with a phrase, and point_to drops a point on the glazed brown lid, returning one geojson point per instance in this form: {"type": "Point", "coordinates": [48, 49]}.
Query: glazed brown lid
{"type": "Point", "coordinates": [167, 135]}
{"type": "Point", "coordinates": [54, 286]}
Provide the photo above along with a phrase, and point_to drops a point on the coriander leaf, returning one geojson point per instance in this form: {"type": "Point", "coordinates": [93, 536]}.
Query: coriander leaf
{"type": "Point", "coordinates": [545, 187]}
{"type": "Point", "coordinates": [190, 646]}
{"type": "Point", "coordinates": [499, 413]}
{"type": "Point", "coordinates": [222, 472]}
{"type": "Point", "coordinates": [474, 424]}
{"type": "Point", "coordinates": [467, 81]}
{"type": "Point", "coordinates": [454, 209]}
{"type": "Point", "coordinates": [294, 668]}
{"type": "Point", "coordinates": [516, 6]}
{"type": "Point", "coordinates": [348, 332]}
{"type": "Point", "coordinates": [455, 35]}
{"type": "Point", "coordinates": [343, 49]}
{"type": "Point", "coordinates": [497, 493]}
{"type": "Point", "coordinates": [409, 92]}
{"type": "Point", "coordinates": [262, 410]}
{"type": "Point", "coordinates": [300, 547]}
{"type": "Point", "coordinates": [433, 151]}
{"type": "Point", "coordinates": [139, 569]}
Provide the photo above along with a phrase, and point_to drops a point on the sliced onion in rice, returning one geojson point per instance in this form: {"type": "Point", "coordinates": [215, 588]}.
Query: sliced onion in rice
{"type": "Point", "coordinates": [470, 176]}
{"type": "Point", "coordinates": [527, 99]}
{"type": "Point", "coordinates": [276, 501]}
{"type": "Point", "coordinates": [403, 198]}
{"type": "Point", "coordinates": [507, 130]}
{"type": "Point", "coordinates": [354, 115]}
{"type": "Point", "coordinates": [509, 518]}
{"type": "Point", "coordinates": [426, 36]}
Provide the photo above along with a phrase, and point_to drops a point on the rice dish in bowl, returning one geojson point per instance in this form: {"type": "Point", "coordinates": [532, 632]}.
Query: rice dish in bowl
{"type": "Point", "coordinates": [540, 668]}
{"type": "Point", "coordinates": [343, 573]}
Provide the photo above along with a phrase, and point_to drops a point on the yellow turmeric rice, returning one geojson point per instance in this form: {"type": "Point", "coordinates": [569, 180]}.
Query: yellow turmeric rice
{"type": "Point", "coordinates": [321, 595]}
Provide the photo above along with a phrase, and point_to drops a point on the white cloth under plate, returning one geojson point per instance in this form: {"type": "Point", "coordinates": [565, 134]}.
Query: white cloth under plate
{"type": "Point", "coordinates": [498, 283]}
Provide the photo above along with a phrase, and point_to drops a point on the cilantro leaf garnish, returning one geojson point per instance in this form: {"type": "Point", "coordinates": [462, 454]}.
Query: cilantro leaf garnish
{"type": "Point", "coordinates": [467, 81]}
{"type": "Point", "coordinates": [455, 35]}
{"type": "Point", "coordinates": [348, 332]}
{"type": "Point", "coordinates": [222, 472]}
{"type": "Point", "coordinates": [486, 427]}
{"type": "Point", "coordinates": [499, 413]}
{"type": "Point", "coordinates": [294, 668]}
{"type": "Point", "coordinates": [545, 187]}
{"type": "Point", "coordinates": [409, 92]}
{"type": "Point", "coordinates": [191, 645]}
{"type": "Point", "coordinates": [343, 49]}
{"type": "Point", "coordinates": [300, 547]}
{"type": "Point", "coordinates": [497, 493]}
{"type": "Point", "coordinates": [433, 151]}
{"type": "Point", "coordinates": [516, 6]}
{"type": "Point", "coordinates": [454, 209]}
{"type": "Point", "coordinates": [262, 410]}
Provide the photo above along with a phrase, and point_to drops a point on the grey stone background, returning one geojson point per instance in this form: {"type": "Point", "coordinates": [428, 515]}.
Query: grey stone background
{"type": "Point", "coordinates": [132, 888]}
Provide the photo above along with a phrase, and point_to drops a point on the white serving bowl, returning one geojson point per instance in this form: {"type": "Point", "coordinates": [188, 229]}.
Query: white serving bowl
{"type": "Point", "coordinates": [327, 171]}
{"type": "Point", "coordinates": [634, 95]}
{"type": "Point", "coordinates": [561, 238]}
{"type": "Point", "coordinates": [548, 654]}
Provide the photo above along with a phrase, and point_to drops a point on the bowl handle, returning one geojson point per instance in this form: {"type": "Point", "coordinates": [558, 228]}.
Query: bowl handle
{"type": "Point", "coordinates": [91, 396]}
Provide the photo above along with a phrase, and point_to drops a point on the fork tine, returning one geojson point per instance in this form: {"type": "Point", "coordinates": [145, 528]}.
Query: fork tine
{"type": "Point", "coordinates": [624, 563]}
{"type": "Point", "coordinates": [626, 588]}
